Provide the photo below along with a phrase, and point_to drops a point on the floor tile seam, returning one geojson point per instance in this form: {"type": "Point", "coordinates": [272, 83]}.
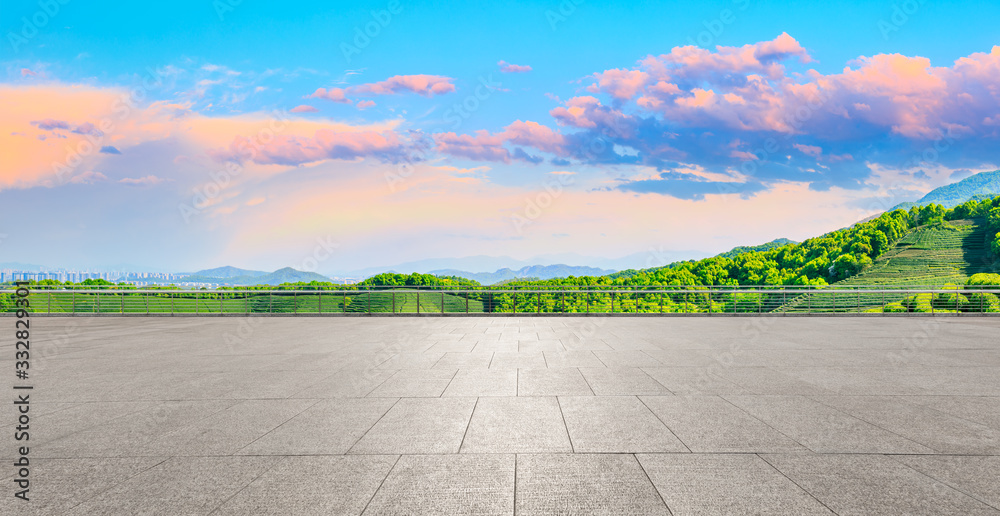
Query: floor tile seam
{"type": "Point", "coordinates": [656, 489]}
{"type": "Point", "coordinates": [664, 423]}
{"type": "Point", "coordinates": [468, 424]}
{"type": "Point", "coordinates": [876, 425]}
{"type": "Point", "coordinates": [765, 423]}
{"type": "Point", "coordinates": [796, 484]}
{"type": "Point", "coordinates": [248, 484]}
{"type": "Point", "coordinates": [109, 488]}
{"type": "Point", "coordinates": [380, 484]}
{"type": "Point", "coordinates": [945, 482]}
{"type": "Point", "coordinates": [283, 423]}
{"type": "Point", "coordinates": [351, 447]}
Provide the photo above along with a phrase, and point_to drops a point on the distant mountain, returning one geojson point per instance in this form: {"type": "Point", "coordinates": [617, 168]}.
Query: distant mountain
{"type": "Point", "coordinates": [286, 275]}
{"type": "Point", "coordinates": [543, 272]}
{"type": "Point", "coordinates": [736, 251]}
{"type": "Point", "coordinates": [984, 185]}
{"type": "Point", "coordinates": [228, 272]}
{"type": "Point", "coordinates": [483, 264]}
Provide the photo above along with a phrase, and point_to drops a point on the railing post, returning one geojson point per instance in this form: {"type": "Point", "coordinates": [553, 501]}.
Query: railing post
{"type": "Point", "coordinates": [515, 300]}
{"type": "Point", "coordinates": [538, 307]}
{"type": "Point", "coordinates": [171, 296]}
{"type": "Point", "coordinates": [394, 300]}
{"type": "Point", "coordinates": [72, 300]}
{"type": "Point", "coordinates": [442, 302]}
{"type": "Point", "coordinates": [319, 299]}
{"type": "Point", "coordinates": [369, 300]}
{"type": "Point", "coordinates": [48, 302]}
{"type": "Point", "coordinates": [466, 301]}
{"type": "Point", "coordinates": [858, 289]}
{"type": "Point", "coordinates": [612, 301]}
{"type": "Point", "coordinates": [122, 306]}
{"type": "Point", "coordinates": [295, 302]}
{"type": "Point", "coordinates": [147, 302]}
{"type": "Point", "coordinates": [270, 302]}
{"type": "Point", "coordinates": [661, 301]}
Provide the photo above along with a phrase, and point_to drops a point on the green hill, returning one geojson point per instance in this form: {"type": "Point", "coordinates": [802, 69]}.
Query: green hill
{"type": "Point", "coordinates": [286, 275]}
{"type": "Point", "coordinates": [228, 272]}
{"type": "Point", "coordinates": [984, 185]}
{"type": "Point", "coordinates": [932, 255]}
{"type": "Point", "coordinates": [736, 251]}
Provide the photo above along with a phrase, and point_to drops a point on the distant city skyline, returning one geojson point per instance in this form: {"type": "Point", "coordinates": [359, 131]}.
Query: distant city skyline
{"type": "Point", "coordinates": [348, 135]}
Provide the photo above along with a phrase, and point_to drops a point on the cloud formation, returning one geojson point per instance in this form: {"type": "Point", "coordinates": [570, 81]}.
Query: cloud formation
{"type": "Point", "coordinates": [506, 67]}
{"type": "Point", "coordinates": [739, 112]}
{"type": "Point", "coordinates": [424, 85]}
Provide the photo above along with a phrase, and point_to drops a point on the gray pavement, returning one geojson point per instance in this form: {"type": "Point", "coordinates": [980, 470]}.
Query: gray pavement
{"type": "Point", "coordinates": [534, 415]}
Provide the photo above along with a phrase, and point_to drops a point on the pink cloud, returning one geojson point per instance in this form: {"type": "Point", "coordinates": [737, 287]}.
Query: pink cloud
{"type": "Point", "coordinates": [325, 144]}
{"type": "Point", "coordinates": [781, 48]}
{"type": "Point", "coordinates": [483, 146]}
{"type": "Point", "coordinates": [303, 109]}
{"type": "Point", "coordinates": [25, 72]}
{"type": "Point", "coordinates": [533, 134]}
{"type": "Point", "coordinates": [142, 181]}
{"type": "Point", "coordinates": [365, 104]}
{"type": "Point", "coordinates": [490, 147]}
{"type": "Point", "coordinates": [620, 84]}
{"type": "Point", "coordinates": [87, 178]}
{"type": "Point", "coordinates": [575, 112]}
{"type": "Point", "coordinates": [334, 94]}
{"type": "Point", "coordinates": [810, 150]}
{"type": "Point", "coordinates": [426, 85]}
{"type": "Point", "coordinates": [506, 67]}
{"type": "Point", "coordinates": [50, 124]}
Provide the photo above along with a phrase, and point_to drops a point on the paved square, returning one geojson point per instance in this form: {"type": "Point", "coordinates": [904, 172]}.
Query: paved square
{"type": "Point", "coordinates": [510, 415]}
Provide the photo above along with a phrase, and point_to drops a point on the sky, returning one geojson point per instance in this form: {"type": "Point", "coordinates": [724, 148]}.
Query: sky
{"type": "Point", "coordinates": [335, 136]}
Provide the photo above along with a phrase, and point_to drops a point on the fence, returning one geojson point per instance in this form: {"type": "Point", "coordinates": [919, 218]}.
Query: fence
{"type": "Point", "coordinates": [574, 300]}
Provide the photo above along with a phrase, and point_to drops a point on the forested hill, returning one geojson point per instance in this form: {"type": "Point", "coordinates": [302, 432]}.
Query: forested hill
{"type": "Point", "coordinates": [832, 257]}
{"type": "Point", "coordinates": [984, 185]}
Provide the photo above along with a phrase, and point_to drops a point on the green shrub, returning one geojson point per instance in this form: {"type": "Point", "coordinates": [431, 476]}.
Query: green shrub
{"type": "Point", "coordinates": [918, 303]}
{"type": "Point", "coordinates": [984, 278]}
{"type": "Point", "coordinates": [984, 302]}
{"type": "Point", "coordinates": [894, 308]}
{"type": "Point", "coordinates": [951, 302]}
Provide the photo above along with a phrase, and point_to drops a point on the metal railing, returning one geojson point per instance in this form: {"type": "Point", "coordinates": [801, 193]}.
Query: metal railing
{"type": "Point", "coordinates": [521, 300]}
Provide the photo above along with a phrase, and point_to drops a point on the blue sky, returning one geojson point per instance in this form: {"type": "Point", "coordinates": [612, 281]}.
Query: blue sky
{"type": "Point", "coordinates": [650, 130]}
